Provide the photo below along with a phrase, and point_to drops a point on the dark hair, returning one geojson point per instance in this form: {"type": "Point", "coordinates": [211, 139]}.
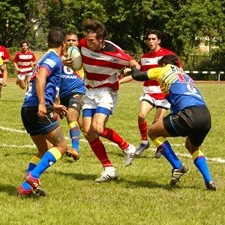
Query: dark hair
{"type": "Point", "coordinates": [24, 42]}
{"type": "Point", "coordinates": [156, 32]}
{"type": "Point", "coordinates": [56, 36]}
{"type": "Point", "coordinates": [169, 59]}
{"type": "Point", "coordinates": [71, 32]}
{"type": "Point", "coordinates": [94, 26]}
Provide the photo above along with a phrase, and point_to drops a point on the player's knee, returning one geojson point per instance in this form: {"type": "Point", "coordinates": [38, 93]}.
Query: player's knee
{"type": "Point", "coordinates": [141, 117]}
{"type": "Point", "coordinates": [62, 147]}
{"type": "Point", "coordinates": [151, 134]}
{"type": "Point", "coordinates": [190, 147]}
{"type": "Point", "coordinates": [99, 129]}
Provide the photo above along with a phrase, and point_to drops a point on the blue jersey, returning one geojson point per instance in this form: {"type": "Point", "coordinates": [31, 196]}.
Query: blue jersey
{"type": "Point", "coordinates": [71, 82]}
{"type": "Point", "coordinates": [177, 86]}
{"type": "Point", "coordinates": [52, 63]}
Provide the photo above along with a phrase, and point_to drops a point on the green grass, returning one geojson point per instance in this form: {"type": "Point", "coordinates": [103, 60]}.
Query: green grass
{"type": "Point", "coordinates": [141, 196]}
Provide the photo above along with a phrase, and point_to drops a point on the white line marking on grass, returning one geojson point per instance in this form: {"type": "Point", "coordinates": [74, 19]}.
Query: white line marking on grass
{"type": "Point", "coordinates": [218, 160]}
{"type": "Point", "coordinates": [12, 130]}
{"type": "Point", "coordinates": [17, 146]}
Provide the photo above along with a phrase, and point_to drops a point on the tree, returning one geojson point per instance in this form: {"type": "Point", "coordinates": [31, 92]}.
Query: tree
{"type": "Point", "coordinates": [183, 22]}
{"type": "Point", "coordinates": [12, 23]}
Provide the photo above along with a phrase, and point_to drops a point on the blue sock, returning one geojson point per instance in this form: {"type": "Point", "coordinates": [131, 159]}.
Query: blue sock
{"type": "Point", "coordinates": [31, 165]}
{"type": "Point", "coordinates": [169, 154]}
{"type": "Point", "coordinates": [201, 164]}
{"type": "Point", "coordinates": [48, 159]}
{"type": "Point", "coordinates": [75, 135]}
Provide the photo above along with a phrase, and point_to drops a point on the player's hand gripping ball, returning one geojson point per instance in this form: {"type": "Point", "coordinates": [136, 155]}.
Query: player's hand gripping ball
{"type": "Point", "coordinates": [74, 53]}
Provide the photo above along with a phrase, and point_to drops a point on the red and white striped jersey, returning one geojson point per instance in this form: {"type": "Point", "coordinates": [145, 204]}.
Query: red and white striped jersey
{"type": "Point", "coordinates": [103, 67]}
{"type": "Point", "coordinates": [148, 61]}
{"type": "Point", "coordinates": [4, 54]}
{"type": "Point", "coordinates": [24, 61]}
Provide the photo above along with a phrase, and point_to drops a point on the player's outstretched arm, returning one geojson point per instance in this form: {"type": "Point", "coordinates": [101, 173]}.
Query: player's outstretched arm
{"type": "Point", "coordinates": [138, 75]}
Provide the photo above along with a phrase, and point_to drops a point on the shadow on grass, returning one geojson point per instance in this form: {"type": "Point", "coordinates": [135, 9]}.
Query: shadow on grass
{"type": "Point", "coordinates": [143, 156]}
{"type": "Point", "coordinates": [77, 176]}
{"type": "Point", "coordinates": [8, 188]}
{"type": "Point", "coordinates": [126, 183]}
{"type": "Point", "coordinates": [153, 185]}
{"type": "Point", "coordinates": [10, 100]}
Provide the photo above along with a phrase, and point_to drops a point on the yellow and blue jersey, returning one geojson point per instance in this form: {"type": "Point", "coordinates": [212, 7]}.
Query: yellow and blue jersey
{"type": "Point", "coordinates": [177, 86]}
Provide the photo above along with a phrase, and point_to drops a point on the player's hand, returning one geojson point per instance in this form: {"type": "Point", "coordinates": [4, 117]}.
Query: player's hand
{"type": "Point", "coordinates": [138, 75]}
{"type": "Point", "coordinates": [127, 72]}
{"type": "Point", "coordinates": [4, 84]}
{"type": "Point", "coordinates": [42, 110]}
{"type": "Point", "coordinates": [60, 109]}
{"type": "Point", "coordinates": [67, 61]}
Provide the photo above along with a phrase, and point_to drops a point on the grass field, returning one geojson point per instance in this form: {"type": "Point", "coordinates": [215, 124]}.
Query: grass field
{"type": "Point", "coordinates": [141, 196]}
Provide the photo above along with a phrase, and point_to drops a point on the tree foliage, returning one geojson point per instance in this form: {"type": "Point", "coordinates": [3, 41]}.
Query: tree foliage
{"type": "Point", "coordinates": [184, 23]}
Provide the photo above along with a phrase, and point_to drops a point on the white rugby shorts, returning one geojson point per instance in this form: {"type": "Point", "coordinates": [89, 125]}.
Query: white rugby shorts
{"type": "Point", "coordinates": [23, 76]}
{"type": "Point", "coordinates": [155, 102]}
{"type": "Point", "coordinates": [100, 97]}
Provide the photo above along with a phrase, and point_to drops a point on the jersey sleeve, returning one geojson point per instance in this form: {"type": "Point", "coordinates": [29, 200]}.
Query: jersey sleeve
{"type": "Point", "coordinates": [33, 57]}
{"type": "Point", "coordinates": [154, 73]}
{"type": "Point", "coordinates": [1, 61]}
{"type": "Point", "coordinates": [16, 58]}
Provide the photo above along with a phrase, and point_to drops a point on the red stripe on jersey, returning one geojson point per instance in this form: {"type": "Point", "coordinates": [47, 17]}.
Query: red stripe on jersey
{"type": "Point", "coordinates": [103, 66]}
{"type": "Point", "coordinates": [149, 61]}
{"type": "Point", "coordinates": [24, 60]}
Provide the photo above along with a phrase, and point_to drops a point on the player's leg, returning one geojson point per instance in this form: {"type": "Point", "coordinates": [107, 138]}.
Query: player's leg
{"type": "Point", "coordinates": [201, 163]}
{"type": "Point", "coordinates": [27, 80]}
{"type": "Point", "coordinates": [50, 133]}
{"type": "Point", "coordinates": [25, 188]}
{"type": "Point", "coordinates": [201, 124]}
{"type": "Point", "coordinates": [74, 108]}
{"type": "Point", "coordinates": [21, 81]}
{"type": "Point", "coordinates": [158, 133]}
{"type": "Point", "coordinates": [106, 106]}
{"type": "Point", "coordinates": [159, 115]}
{"type": "Point", "coordinates": [0, 90]}
{"type": "Point", "coordinates": [97, 146]}
{"type": "Point", "coordinates": [145, 106]}
{"type": "Point", "coordinates": [51, 156]}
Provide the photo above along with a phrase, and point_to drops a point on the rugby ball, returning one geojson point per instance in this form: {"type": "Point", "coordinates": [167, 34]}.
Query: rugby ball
{"type": "Point", "coordinates": [74, 53]}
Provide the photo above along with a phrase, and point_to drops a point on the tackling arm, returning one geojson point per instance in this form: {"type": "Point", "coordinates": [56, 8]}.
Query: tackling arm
{"type": "Point", "coordinates": [138, 75]}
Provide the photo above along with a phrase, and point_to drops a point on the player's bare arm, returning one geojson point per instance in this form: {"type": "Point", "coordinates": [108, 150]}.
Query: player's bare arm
{"type": "Point", "coordinates": [40, 89]}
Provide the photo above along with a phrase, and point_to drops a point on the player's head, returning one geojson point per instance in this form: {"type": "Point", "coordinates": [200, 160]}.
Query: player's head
{"type": "Point", "coordinates": [71, 39]}
{"type": "Point", "coordinates": [95, 34]}
{"type": "Point", "coordinates": [56, 37]}
{"type": "Point", "coordinates": [24, 45]}
{"type": "Point", "coordinates": [153, 38]}
{"type": "Point", "coordinates": [169, 59]}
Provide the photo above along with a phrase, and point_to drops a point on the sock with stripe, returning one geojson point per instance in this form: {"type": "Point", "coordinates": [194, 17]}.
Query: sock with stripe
{"type": "Point", "coordinates": [31, 165]}
{"type": "Point", "coordinates": [164, 146]}
{"type": "Point", "coordinates": [75, 135]}
{"type": "Point", "coordinates": [48, 159]}
{"type": "Point", "coordinates": [201, 163]}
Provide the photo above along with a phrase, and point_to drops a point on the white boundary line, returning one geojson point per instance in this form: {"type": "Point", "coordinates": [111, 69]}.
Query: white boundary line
{"type": "Point", "coordinates": [218, 160]}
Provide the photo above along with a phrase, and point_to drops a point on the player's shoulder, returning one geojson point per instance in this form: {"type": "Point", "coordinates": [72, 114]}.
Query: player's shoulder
{"type": "Point", "coordinates": [51, 59]}
{"type": "Point", "coordinates": [166, 51]}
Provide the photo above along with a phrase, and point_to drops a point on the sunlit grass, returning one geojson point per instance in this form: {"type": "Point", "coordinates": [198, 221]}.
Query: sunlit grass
{"type": "Point", "coordinates": [141, 196]}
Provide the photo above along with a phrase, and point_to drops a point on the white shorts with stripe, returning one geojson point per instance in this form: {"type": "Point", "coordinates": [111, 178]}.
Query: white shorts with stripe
{"type": "Point", "coordinates": [100, 97]}
{"type": "Point", "coordinates": [155, 102]}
